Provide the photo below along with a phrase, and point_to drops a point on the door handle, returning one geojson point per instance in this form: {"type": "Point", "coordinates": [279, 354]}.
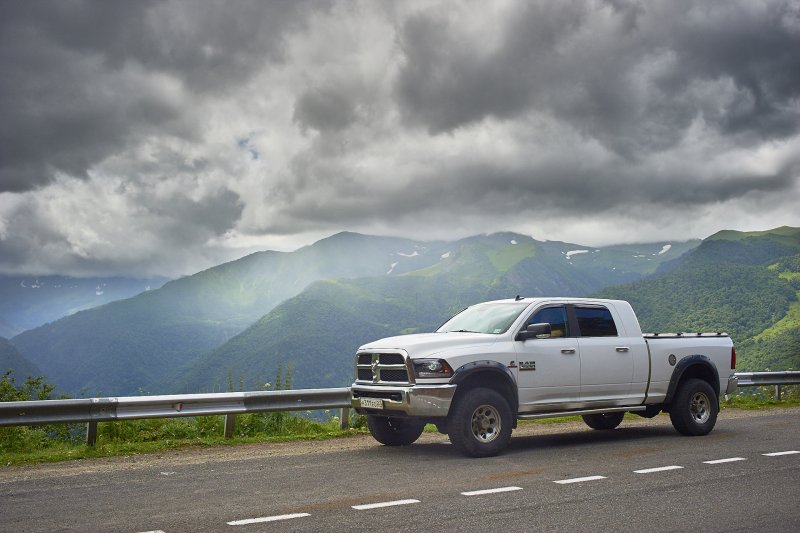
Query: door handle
{"type": "Point", "coordinates": [567, 350]}
{"type": "Point", "coordinates": [622, 349]}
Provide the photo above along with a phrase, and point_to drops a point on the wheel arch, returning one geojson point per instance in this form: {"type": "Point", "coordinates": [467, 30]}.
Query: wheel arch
{"type": "Point", "coordinates": [693, 366]}
{"type": "Point", "coordinates": [490, 375]}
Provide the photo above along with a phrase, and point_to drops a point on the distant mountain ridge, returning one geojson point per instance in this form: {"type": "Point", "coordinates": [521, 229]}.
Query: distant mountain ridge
{"type": "Point", "coordinates": [151, 342]}
{"type": "Point", "coordinates": [27, 302]}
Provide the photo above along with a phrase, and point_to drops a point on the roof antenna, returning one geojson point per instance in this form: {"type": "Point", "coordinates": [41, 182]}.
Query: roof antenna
{"type": "Point", "coordinates": [518, 298]}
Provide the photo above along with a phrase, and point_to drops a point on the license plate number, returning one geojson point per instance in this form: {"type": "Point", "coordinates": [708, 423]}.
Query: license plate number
{"type": "Point", "coordinates": [372, 403]}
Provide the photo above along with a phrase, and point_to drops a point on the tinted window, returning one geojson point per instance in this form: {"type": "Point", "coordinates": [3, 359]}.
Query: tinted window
{"type": "Point", "coordinates": [555, 316]}
{"type": "Point", "coordinates": [595, 322]}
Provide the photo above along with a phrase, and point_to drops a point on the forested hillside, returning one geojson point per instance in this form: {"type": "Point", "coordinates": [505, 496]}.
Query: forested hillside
{"type": "Point", "coordinates": [744, 283]}
{"type": "Point", "coordinates": [11, 361]}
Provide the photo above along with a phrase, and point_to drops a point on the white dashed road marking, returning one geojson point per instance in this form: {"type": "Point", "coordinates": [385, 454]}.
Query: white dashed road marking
{"type": "Point", "coordinates": [490, 491]}
{"type": "Point", "coordinates": [776, 454]}
{"type": "Point", "coordinates": [657, 469]}
{"type": "Point", "coordinates": [383, 504]}
{"type": "Point", "coordinates": [482, 492]}
{"type": "Point", "coordinates": [728, 460]}
{"type": "Point", "coordinates": [267, 519]}
{"type": "Point", "coordinates": [578, 480]}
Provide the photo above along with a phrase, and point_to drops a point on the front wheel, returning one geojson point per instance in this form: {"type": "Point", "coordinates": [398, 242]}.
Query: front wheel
{"type": "Point", "coordinates": [480, 423]}
{"type": "Point", "coordinates": [604, 421]}
{"type": "Point", "coordinates": [694, 408]}
{"type": "Point", "coordinates": [394, 431]}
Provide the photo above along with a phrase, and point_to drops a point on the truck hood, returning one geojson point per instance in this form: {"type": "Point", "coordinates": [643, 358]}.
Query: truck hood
{"type": "Point", "coordinates": [429, 344]}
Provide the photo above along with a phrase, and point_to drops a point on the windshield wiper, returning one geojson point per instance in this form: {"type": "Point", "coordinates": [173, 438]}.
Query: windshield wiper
{"type": "Point", "coordinates": [462, 331]}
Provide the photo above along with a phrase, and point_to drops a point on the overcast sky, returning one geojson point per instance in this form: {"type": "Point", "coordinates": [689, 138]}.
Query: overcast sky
{"type": "Point", "coordinates": [166, 137]}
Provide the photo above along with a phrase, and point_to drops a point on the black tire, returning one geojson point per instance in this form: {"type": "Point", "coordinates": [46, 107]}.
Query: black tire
{"type": "Point", "coordinates": [604, 420]}
{"type": "Point", "coordinates": [694, 408]}
{"type": "Point", "coordinates": [480, 423]}
{"type": "Point", "coordinates": [394, 431]}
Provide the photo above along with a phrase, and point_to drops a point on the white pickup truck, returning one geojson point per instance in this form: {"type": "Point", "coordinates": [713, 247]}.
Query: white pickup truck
{"type": "Point", "coordinates": [497, 362]}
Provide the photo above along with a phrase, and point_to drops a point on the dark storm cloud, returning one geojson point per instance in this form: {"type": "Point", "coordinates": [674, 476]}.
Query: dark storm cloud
{"type": "Point", "coordinates": [325, 110]}
{"type": "Point", "coordinates": [83, 79]}
{"type": "Point", "coordinates": [620, 73]}
{"type": "Point", "coordinates": [551, 189]}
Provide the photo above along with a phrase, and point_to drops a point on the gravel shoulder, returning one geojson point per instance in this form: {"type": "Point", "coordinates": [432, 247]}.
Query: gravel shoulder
{"type": "Point", "coordinates": [216, 454]}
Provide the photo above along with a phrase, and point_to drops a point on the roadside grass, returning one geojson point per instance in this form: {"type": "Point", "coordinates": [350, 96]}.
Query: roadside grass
{"type": "Point", "coordinates": [55, 443]}
{"type": "Point", "coordinates": [759, 398]}
{"type": "Point", "coordinates": [39, 444]}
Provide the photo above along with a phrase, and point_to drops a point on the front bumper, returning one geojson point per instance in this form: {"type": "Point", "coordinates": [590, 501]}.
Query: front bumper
{"type": "Point", "coordinates": [428, 401]}
{"type": "Point", "coordinates": [733, 384]}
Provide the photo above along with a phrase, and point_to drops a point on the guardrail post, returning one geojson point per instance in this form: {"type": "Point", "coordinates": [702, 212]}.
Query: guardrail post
{"type": "Point", "coordinates": [344, 418]}
{"type": "Point", "coordinates": [91, 433]}
{"type": "Point", "coordinates": [778, 392]}
{"type": "Point", "coordinates": [230, 425]}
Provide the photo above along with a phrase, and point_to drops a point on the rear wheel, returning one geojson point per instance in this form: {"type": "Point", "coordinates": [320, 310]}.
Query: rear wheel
{"type": "Point", "coordinates": [694, 408]}
{"type": "Point", "coordinates": [480, 423]}
{"type": "Point", "coordinates": [604, 420]}
{"type": "Point", "coordinates": [394, 431]}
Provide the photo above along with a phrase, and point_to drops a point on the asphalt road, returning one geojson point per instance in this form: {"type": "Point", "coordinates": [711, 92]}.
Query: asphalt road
{"type": "Point", "coordinates": [641, 477]}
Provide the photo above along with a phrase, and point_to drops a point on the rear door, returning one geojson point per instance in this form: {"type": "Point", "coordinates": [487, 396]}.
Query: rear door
{"type": "Point", "coordinates": [606, 356]}
{"type": "Point", "coordinates": [549, 369]}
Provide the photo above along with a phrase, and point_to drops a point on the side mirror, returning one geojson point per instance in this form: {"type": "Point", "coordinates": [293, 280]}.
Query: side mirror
{"type": "Point", "coordinates": [535, 331]}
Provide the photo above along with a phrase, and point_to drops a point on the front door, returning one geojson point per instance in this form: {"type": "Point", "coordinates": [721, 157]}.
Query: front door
{"type": "Point", "coordinates": [549, 369]}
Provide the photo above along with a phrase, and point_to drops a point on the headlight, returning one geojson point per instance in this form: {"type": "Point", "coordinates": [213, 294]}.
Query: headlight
{"type": "Point", "coordinates": [432, 368]}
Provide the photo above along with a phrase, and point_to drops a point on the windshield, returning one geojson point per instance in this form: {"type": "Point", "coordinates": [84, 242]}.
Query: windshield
{"type": "Point", "coordinates": [493, 318]}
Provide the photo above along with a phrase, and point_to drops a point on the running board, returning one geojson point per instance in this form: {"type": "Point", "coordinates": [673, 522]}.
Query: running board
{"type": "Point", "coordinates": [535, 416]}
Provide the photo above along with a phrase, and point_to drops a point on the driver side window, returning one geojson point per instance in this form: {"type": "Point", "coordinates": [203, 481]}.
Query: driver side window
{"type": "Point", "coordinates": [555, 316]}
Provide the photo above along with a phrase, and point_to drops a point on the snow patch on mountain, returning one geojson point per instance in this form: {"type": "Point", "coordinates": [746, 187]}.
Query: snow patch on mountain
{"type": "Point", "coordinates": [575, 252]}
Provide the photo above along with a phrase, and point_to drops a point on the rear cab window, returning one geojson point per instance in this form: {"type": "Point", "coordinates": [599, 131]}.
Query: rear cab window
{"type": "Point", "coordinates": [595, 321]}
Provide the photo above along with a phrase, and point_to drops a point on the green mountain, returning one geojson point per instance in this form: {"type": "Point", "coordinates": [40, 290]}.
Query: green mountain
{"type": "Point", "coordinates": [744, 283]}
{"type": "Point", "coordinates": [125, 346]}
{"type": "Point", "coordinates": [11, 360]}
{"type": "Point", "coordinates": [318, 331]}
{"type": "Point", "coordinates": [27, 302]}
{"type": "Point", "coordinates": [153, 342]}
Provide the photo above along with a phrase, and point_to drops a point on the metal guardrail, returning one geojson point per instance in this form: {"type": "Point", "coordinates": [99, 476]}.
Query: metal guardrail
{"type": "Point", "coordinates": [765, 379]}
{"type": "Point", "coordinates": [758, 379]}
{"type": "Point", "coordinates": [94, 410]}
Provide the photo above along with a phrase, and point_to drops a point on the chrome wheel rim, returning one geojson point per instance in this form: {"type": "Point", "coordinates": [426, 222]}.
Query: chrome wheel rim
{"type": "Point", "coordinates": [486, 424]}
{"type": "Point", "coordinates": [700, 408]}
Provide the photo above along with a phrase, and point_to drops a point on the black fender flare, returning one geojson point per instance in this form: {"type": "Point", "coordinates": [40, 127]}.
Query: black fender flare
{"type": "Point", "coordinates": [468, 370]}
{"type": "Point", "coordinates": [689, 362]}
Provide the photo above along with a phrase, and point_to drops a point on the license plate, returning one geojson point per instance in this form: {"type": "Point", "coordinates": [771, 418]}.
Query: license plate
{"type": "Point", "coordinates": [372, 403]}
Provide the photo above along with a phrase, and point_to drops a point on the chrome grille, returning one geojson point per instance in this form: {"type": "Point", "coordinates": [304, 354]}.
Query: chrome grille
{"type": "Point", "coordinates": [382, 368]}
